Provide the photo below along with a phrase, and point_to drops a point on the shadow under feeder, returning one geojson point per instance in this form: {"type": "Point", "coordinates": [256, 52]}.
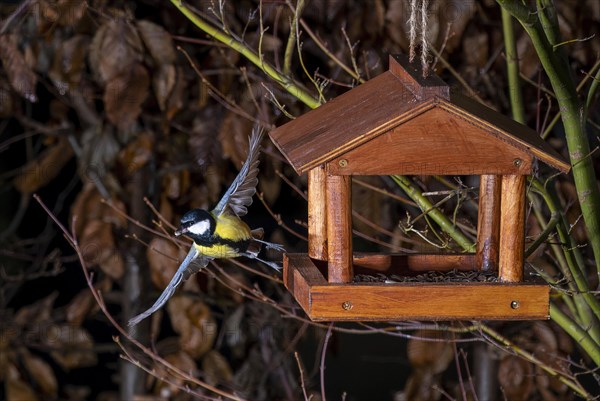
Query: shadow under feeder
{"type": "Point", "coordinates": [402, 123]}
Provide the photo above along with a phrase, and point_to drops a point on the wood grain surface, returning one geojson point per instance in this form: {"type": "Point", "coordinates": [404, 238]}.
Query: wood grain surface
{"type": "Point", "coordinates": [435, 142]}
{"type": "Point", "coordinates": [411, 301]}
{"type": "Point", "coordinates": [488, 222]}
{"type": "Point", "coordinates": [512, 228]}
{"type": "Point", "coordinates": [339, 229]}
{"type": "Point", "coordinates": [317, 213]}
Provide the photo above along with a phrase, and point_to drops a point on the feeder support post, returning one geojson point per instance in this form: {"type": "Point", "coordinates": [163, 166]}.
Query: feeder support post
{"type": "Point", "coordinates": [512, 228]}
{"type": "Point", "coordinates": [317, 213]}
{"type": "Point", "coordinates": [339, 228]}
{"type": "Point", "coordinates": [488, 222]}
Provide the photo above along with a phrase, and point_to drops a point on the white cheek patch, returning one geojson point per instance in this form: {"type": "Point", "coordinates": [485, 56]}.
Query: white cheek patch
{"type": "Point", "coordinates": [200, 228]}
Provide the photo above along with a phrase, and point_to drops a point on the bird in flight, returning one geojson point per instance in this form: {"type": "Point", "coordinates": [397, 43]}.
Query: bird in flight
{"type": "Point", "coordinates": [220, 233]}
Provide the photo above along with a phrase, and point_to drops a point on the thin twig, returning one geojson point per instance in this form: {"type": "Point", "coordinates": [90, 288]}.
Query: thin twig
{"type": "Point", "coordinates": [459, 373]}
{"type": "Point", "coordinates": [322, 365]}
{"type": "Point", "coordinates": [21, 8]}
{"type": "Point", "coordinates": [278, 219]}
{"type": "Point", "coordinates": [328, 53]}
{"type": "Point", "coordinates": [302, 385]}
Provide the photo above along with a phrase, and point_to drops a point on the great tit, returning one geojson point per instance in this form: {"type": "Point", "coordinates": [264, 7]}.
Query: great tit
{"type": "Point", "coordinates": [220, 233]}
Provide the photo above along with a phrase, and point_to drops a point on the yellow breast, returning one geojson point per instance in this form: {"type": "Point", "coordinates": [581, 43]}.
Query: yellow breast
{"type": "Point", "coordinates": [230, 233]}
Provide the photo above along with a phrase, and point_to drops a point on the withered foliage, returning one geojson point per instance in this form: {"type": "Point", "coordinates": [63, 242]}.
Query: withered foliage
{"type": "Point", "coordinates": [105, 104]}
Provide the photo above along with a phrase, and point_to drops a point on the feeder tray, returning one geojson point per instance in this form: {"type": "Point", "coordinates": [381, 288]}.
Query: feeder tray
{"type": "Point", "coordinates": [402, 123]}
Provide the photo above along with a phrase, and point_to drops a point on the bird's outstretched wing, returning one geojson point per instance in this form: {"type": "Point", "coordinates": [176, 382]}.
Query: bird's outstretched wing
{"type": "Point", "coordinates": [184, 271]}
{"type": "Point", "coordinates": [239, 195]}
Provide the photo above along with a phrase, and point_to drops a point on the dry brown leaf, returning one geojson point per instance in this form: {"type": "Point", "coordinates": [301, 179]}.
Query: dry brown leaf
{"type": "Point", "coordinates": [454, 17]}
{"type": "Point", "coordinates": [79, 307]}
{"type": "Point", "coordinates": [270, 183]}
{"type": "Point", "coordinates": [99, 249]}
{"type": "Point", "coordinates": [216, 368]}
{"type": "Point", "coordinates": [565, 341]}
{"type": "Point", "coordinates": [124, 94]}
{"type": "Point", "coordinates": [116, 47]}
{"type": "Point", "coordinates": [137, 153]}
{"type": "Point", "coordinates": [545, 336]}
{"type": "Point", "coordinates": [7, 103]}
{"type": "Point", "coordinates": [269, 42]}
{"type": "Point", "coordinates": [96, 242]}
{"type": "Point", "coordinates": [231, 282]}
{"type": "Point", "coordinates": [515, 377]}
{"type": "Point", "coordinates": [194, 323]}
{"type": "Point", "coordinates": [420, 386]}
{"type": "Point", "coordinates": [236, 338]}
{"type": "Point", "coordinates": [41, 373]}
{"type": "Point", "coordinates": [176, 184]}
{"type": "Point", "coordinates": [546, 348]}
{"type": "Point", "coordinates": [551, 388]}
{"type": "Point", "coordinates": [165, 208]}
{"type": "Point", "coordinates": [99, 151]}
{"type": "Point", "coordinates": [21, 77]}
{"type": "Point", "coordinates": [233, 136]}
{"type": "Point", "coordinates": [429, 355]}
{"type": "Point", "coordinates": [182, 361]}
{"type": "Point", "coordinates": [163, 257]}
{"type": "Point", "coordinates": [373, 20]}
{"type": "Point", "coordinates": [62, 12]}
{"type": "Point", "coordinates": [163, 82]}
{"type": "Point", "coordinates": [476, 49]}
{"type": "Point", "coordinates": [204, 145]}
{"type": "Point", "coordinates": [7, 351]}
{"type": "Point", "coordinates": [158, 42]}
{"type": "Point", "coordinates": [88, 206]}
{"type": "Point", "coordinates": [69, 63]}
{"type": "Point", "coordinates": [529, 62]}
{"type": "Point", "coordinates": [114, 266]}
{"type": "Point", "coordinates": [16, 388]}
{"type": "Point", "coordinates": [37, 312]}
{"type": "Point", "coordinates": [176, 100]}
{"type": "Point", "coordinates": [72, 346]}
{"type": "Point", "coordinates": [42, 170]}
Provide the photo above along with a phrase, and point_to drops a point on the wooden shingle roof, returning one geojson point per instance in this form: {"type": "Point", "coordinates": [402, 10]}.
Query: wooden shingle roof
{"type": "Point", "coordinates": [387, 102]}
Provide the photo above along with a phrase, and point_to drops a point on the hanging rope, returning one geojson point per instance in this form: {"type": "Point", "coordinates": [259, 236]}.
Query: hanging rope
{"type": "Point", "coordinates": [424, 50]}
{"type": "Point", "coordinates": [412, 29]}
{"type": "Point", "coordinates": [412, 33]}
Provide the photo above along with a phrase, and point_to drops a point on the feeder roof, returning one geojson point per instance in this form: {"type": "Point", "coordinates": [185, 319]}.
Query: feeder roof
{"type": "Point", "coordinates": [385, 103]}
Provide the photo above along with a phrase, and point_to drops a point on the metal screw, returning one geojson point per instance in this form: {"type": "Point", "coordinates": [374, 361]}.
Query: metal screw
{"type": "Point", "coordinates": [515, 304]}
{"type": "Point", "coordinates": [517, 162]}
{"type": "Point", "coordinates": [347, 305]}
{"type": "Point", "coordinates": [343, 162]}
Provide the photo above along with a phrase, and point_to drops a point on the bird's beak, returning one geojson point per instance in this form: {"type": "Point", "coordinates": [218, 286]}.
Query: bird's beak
{"type": "Point", "coordinates": [182, 230]}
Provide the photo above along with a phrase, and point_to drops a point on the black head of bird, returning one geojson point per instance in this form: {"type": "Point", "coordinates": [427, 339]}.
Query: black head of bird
{"type": "Point", "coordinates": [198, 224]}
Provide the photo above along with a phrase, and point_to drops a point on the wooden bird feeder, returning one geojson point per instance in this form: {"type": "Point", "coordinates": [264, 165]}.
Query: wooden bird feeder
{"type": "Point", "coordinates": [402, 123]}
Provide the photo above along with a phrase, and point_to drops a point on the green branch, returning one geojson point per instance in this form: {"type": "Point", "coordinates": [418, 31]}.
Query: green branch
{"type": "Point", "coordinates": [587, 304]}
{"type": "Point", "coordinates": [581, 336]}
{"type": "Point", "coordinates": [512, 66]}
{"type": "Point", "coordinates": [287, 83]}
{"type": "Point", "coordinates": [557, 69]}
{"type": "Point", "coordinates": [436, 215]}
{"type": "Point", "coordinates": [514, 348]}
